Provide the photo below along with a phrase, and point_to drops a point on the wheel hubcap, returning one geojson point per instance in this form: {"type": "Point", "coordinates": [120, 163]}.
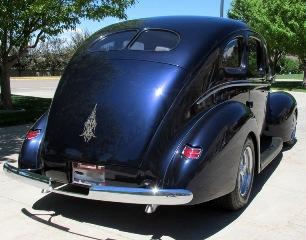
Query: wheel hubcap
{"type": "Point", "coordinates": [245, 171]}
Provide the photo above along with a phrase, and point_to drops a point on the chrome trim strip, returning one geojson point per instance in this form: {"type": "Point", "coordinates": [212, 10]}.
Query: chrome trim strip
{"type": "Point", "coordinates": [217, 88]}
{"type": "Point", "coordinates": [28, 177]}
{"type": "Point", "coordinates": [106, 193]}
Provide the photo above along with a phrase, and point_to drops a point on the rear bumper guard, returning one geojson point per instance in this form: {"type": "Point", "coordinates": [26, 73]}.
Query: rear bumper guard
{"type": "Point", "coordinates": [105, 193]}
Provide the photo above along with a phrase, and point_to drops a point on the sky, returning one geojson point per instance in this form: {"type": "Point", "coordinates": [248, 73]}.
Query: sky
{"type": "Point", "coordinates": [152, 8]}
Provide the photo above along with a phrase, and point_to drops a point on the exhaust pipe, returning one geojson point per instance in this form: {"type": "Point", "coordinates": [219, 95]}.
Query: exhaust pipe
{"type": "Point", "coordinates": [150, 208]}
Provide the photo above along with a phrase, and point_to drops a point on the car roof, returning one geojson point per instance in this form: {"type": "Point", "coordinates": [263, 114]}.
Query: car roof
{"type": "Point", "coordinates": [198, 36]}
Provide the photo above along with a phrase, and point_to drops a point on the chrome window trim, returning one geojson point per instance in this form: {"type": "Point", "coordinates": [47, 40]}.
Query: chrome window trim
{"type": "Point", "coordinates": [223, 86]}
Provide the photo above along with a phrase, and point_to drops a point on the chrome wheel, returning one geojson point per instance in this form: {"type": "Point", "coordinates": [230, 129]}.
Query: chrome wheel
{"type": "Point", "coordinates": [239, 197]}
{"type": "Point", "coordinates": [245, 171]}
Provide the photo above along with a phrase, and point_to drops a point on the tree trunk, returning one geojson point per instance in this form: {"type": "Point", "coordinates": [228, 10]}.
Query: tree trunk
{"type": "Point", "coordinates": [274, 59]}
{"type": "Point", "coordinates": [274, 66]}
{"type": "Point", "coordinates": [304, 79]}
{"type": "Point", "coordinates": [6, 98]}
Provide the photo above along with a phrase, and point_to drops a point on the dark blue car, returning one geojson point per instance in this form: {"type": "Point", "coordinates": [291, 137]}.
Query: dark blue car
{"type": "Point", "coordinates": [161, 111]}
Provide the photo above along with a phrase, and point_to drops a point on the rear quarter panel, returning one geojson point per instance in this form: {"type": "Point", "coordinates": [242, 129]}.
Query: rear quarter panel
{"type": "Point", "coordinates": [29, 157]}
{"type": "Point", "coordinates": [221, 132]}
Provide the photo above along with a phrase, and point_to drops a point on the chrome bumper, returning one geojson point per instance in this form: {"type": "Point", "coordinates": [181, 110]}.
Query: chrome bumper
{"type": "Point", "coordinates": [106, 193]}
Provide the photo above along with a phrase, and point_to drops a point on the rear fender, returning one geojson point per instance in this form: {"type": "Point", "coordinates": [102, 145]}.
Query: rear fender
{"type": "Point", "coordinates": [30, 150]}
{"type": "Point", "coordinates": [221, 132]}
{"type": "Point", "coordinates": [281, 108]}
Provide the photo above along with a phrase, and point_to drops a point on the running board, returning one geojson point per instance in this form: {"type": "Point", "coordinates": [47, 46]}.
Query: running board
{"type": "Point", "coordinates": [269, 150]}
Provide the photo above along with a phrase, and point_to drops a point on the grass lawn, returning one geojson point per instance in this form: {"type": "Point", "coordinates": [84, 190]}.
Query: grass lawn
{"type": "Point", "coordinates": [33, 107]}
{"type": "Point", "coordinates": [291, 76]}
{"type": "Point", "coordinates": [295, 86]}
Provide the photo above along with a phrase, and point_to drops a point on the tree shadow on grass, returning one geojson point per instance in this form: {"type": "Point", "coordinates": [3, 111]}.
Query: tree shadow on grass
{"type": "Point", "coordinates": [178, 222]}
{"type": "Point", "coordinates": [291, 85]}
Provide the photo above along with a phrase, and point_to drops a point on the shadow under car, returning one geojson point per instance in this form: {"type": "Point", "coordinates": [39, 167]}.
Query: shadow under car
{"type": "Point", "coordinates": [178, 222]}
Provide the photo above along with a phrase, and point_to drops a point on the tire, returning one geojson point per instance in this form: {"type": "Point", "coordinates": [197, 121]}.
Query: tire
{"type": "Point", "coordinates": [292, 140]}
{"type": "Point", "coordinates": [238, 198]}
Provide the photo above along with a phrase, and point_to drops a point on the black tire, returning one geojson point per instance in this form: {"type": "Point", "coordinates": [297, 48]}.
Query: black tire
{"type": "Point", "coordinates": [235, 200]}
{"type": "Point", "coordinates": [292, 140]}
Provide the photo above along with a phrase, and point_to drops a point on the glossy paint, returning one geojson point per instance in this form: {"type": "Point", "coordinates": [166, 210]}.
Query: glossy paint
{"type": "Point", "coordinates": [214, 174]}
{"type": "Point", "coordinates": [131, 97]}
{"type": "Point", "coordinates": [150, 105]}
{"type": "Point", "coordinates": [29, 157]}
{"type": "Point", "coordinates": [281, 109]}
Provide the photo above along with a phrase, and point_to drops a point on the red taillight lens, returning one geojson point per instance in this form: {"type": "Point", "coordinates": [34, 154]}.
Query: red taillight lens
{"type": "Point", "coordinates": [32, 134]}
{"type": "Point", "coordinates": [192, 152]}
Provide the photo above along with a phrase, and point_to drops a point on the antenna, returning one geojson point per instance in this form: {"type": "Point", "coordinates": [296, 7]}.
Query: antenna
{"type": "Point", "coordinates": [221, 8]}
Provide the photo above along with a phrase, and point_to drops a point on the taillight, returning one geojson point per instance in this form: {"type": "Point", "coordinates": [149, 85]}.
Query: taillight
{"type": "Point", "coordinates": [32, 134]}
{"type": "Point", "coordinates": [192, 152]}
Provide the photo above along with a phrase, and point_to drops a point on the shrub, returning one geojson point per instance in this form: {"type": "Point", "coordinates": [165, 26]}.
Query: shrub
{"type": "Point", "coordinates": [289, 65]}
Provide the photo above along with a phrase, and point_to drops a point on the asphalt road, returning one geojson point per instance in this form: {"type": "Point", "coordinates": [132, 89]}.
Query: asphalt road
{"type": "Point", "coordinates": [36, 88]}
{"type": "Point", "coordinates": [277, 209]}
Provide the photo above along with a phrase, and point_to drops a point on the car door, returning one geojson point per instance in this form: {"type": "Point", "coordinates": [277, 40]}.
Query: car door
{"type": "Point", "coordinates": [257, 76]}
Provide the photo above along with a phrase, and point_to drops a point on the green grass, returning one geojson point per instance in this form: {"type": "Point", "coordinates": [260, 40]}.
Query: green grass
{"type": "Point", "coordinates": [289, 86]}
{"type": "Point", "coordinates": [290, 76]}
{"type": "Point", "coordinates": [34, 107]}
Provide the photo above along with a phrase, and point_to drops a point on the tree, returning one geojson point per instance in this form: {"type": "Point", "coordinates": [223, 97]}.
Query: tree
{"type": "Point", "coordinates": [77, 39]}
{"type": "Point", "coordinates": [37, 60]}
{"type": "Point", "coordinates": [296, 19]}
{"type": "Point", "coordinates": [54, 55]}
{"type": "Point", "coordinates": [24, 23]}
{"type": "Point", "coordinates": [22, 64]}
{"type": "Point", "coordinates": [281, 22]}
{"type": "Point", "coordinates": [289, 64]}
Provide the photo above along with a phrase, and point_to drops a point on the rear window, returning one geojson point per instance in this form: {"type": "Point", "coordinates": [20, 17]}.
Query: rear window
{"type": "Point", "coordinates": [115, 41]}
{"type": "Point", "coordinates": [155, 40]}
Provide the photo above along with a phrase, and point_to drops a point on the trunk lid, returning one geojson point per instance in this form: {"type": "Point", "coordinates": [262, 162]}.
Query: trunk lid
{"type": "Point", "coordinates": [105, 111]}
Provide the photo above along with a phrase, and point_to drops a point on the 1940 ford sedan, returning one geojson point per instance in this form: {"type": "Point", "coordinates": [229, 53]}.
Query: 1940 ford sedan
{"type": "Point", "coordinates": [161, 111]}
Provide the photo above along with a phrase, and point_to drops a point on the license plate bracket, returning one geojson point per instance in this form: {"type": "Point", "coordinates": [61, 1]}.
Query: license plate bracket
{"type": "Point", "coordinates": [88, 174]}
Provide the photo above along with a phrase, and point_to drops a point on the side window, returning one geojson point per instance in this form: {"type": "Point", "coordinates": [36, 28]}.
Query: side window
{"type": "Point", "coordinates": [232, 53]}
{"type": "Point", "coordinates": [255, 57]}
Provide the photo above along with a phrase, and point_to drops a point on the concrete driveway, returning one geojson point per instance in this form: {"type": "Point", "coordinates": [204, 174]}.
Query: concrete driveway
{"type": "Point", "coordinates": [277, 209]}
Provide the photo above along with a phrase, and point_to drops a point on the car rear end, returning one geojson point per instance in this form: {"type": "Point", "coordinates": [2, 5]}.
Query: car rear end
{"type": "Point", "coordinates": [107, 107]}
{"type": "Point", "coordinates": [102, 136]}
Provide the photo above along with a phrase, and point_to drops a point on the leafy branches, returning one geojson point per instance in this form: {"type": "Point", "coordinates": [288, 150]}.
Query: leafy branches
{"type": "Point", "coordinates": [281, 22]}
